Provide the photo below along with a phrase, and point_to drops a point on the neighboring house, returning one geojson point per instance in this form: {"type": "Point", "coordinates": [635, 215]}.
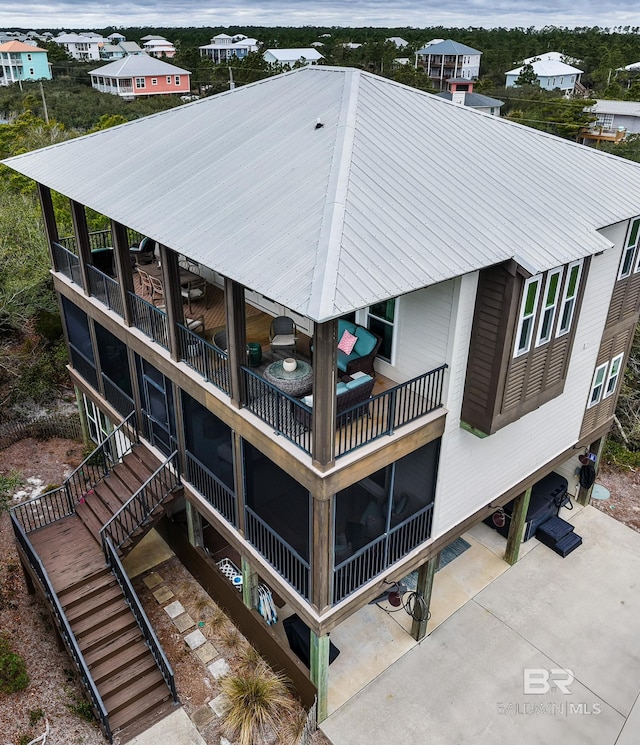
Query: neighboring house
{"type": "Point", "coordinates": [551, 71]}
{"type": "Point", "coordinates": [159, 47]}
{"type": "Point", "coordinates": [443, 60]}
{"type": "Point", "coordinates": [116, 38]}
{"type": "Point", "coordinates": [119, 50]}
{"type": "Point", "coordinates": [291, 57]}
{"type": "Point", "coordinates": [20, 61]}
{"type": "Point", "coordinates": [346, 45]}
{"type": "Point", "coordinates": [461, 92]}
{"type": "Point", "coordinates": [83, 47]}
{"type": "Point", "coordinates": [398, 41]}
{"type": "Point", "coordinates": [500, 302]}
{"type": "Point", "coordinates": [224, 47]}
{"type": "Point", "coordinates": [615, 120]}
{"type": "Point", "coordinates": [138, 75]}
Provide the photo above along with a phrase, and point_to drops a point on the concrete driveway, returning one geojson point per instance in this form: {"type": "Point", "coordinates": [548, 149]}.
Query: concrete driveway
{"type": "Point", "coordinates": [495, 671]}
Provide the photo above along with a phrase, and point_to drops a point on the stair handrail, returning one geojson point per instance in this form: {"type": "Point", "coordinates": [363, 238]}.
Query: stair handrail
{"type": "Point", "coordinates": [107, 457]}
{"type": "Point", "coordinates": [136, 510]}
{"type": "Point", "coordinates": [62, 501]}
{"type": "Point", "coordinates": [63, 624]}
{"type": "Point", "coordinates": [131, 597]}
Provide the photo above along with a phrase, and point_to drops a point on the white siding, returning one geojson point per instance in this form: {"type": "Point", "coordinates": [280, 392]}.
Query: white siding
{"type": "Point", "coordinates": [473, 471]}
{"type": "Point", "coordinates": [421, 334]}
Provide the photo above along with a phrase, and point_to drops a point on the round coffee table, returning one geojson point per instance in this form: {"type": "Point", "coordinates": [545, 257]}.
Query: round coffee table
{"type": "Point", "coordinates": [296, 383]}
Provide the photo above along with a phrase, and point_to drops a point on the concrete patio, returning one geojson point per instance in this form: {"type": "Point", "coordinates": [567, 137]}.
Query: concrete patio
{"type": "Point", "coordinates": [465, 682]}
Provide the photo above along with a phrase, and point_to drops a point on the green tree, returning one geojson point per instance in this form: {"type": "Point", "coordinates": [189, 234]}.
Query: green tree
{"type": "Point", "coordinates": [527, 76]}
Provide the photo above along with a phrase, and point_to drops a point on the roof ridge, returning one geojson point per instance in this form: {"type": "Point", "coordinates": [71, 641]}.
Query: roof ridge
{"type": "Point", "coordinates": [328, 251]}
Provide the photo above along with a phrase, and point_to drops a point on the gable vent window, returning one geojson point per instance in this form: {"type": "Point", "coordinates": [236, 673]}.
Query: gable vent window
{"type": "Point", "coordinates": [549, 306]}
{"type": "Point", "coordinates": [569, 298]}
{"type": "Point", "coordinates": [528, 314]}
{"type": "Point", "coordinates": [629, 253]}
{"type": "Point", "coordinates": [605, 380]}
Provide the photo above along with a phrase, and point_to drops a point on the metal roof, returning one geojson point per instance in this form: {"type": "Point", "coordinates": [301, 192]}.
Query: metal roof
{"type": "Point", "coordinates": [138, 64]}
{"type": "Point", "coordinates": [448, 47]}
{"type": "Point", "coordinates": [476, 100]}
{"type": "Point", "coordinates": [622, 108]}
{"type": "Point", "coordinates": [545, 68]}
{"type": "Point", "coordinates": [396, 191]}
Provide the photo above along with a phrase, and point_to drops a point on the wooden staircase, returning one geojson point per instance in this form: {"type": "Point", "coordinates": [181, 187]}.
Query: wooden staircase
{"type": "Point", "coordinates": [120, 662]}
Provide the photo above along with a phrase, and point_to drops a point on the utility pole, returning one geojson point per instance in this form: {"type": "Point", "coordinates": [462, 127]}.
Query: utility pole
{"type": "Point", "coordinates": [44, 104]}
{"type": "Point", "coordinates": [232, 85]}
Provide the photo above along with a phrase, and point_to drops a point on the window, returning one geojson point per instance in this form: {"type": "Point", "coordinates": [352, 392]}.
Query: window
{"type": "Point", "coordinates": [29, 58]}
{"type": "Point", "coordinates": [154, 81]}
{"type": "Point", "coordinates": [597, 385]}
{"type": "Point", "coordinates": [31, 71]}
{"type": "Point", "coordinates": [570, 296]}
{"type": "Point", "coordinates": [140, 83]}
{"type": "Point", "coordinates": [626, 265]}
{"type": "Point", "coordinates": [177, 80]}
{"type": "Point", "coordinates": [549, 307]}
{"type": "Point", "coordinates": [168, 79]}
{"type": "Point", "coordinates": [612, 377]}
{"type": "Point", "coordinates": [380, 320]}
{"type": "Point", "coordinates": [528, 314]}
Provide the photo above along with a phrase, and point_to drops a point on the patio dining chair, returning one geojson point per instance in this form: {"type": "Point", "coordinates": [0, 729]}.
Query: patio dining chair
{"type": "Point", "coordinates": [157, 289]}
{"type": "Point", "coordinates": [145, 283]}
{"type": "Point", "coordinates": [195, 290]}
{"type": "Point", "coordinates": [195, 324]}
{"type": "Point", "coordinates": [282, 334]}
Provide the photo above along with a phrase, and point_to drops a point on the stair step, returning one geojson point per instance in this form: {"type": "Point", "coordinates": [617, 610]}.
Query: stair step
{"type": "Point", "coordinates": [127, 481]}
{"type": "Point", "coordinates": [154, 700]}
{"type": "Point", "coordinates": [106, 613]}
{"type": "Point", "coordinates": [86, 588]}
{"type": "Point", "coordinates": [107, 632]}
{"type": "Point", "coordinates": [89, 520]}
{"type": "Point", "coordinates": [107, 497]}
{"type": "Point", "coordinates": [135, 691]}
{"type": "Point", "coordinates": [101, 654]}
{"type": "Point", "coordinates": [552, 530]}
{"type": "Point", "coordinates": [86, 606]}
{"type": "Point", "coordinates": [119, 658]}
{"type": "Point", "coordinates": [566, 545]}
{"type": "Point", "coordinates": [94, 502]}
{"type": "Point", "coordinates": [126, 677]}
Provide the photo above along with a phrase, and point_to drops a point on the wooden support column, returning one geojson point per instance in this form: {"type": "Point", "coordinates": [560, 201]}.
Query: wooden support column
{"type": "Point", "coordinates": [236, 337]}
{"type": "Point", "coordinates": [86, 437]}
{"type": "Point", "coordinates": [238, 479]}
{"type": "Point", "coordinates": [172, 298]}
{"type": "Point", "coordinates": [424, 588]}
{"type": "Point", "coordinates": [319, 654]}
{"type": "Point", "coordinates": [596, 448]}
{"type": "Point", "coordinates": [194, 524]}
{"type": "Point", "coordinates": [249, 584]}
{"type": "Point", "coordinates": [321, 552]}
{"type": "Point", "coordinates": [124, 273]}
{"type": "Point", "coordinates": [81, 232]}
{"type": "Point", "coordinates": [135, 388]}
{"type": "Point", "coordinates": [323, 419]}
{"type": "Point", "coordinates": [49, 218]}
{"type": "Point", "coordinates": [516, 529]}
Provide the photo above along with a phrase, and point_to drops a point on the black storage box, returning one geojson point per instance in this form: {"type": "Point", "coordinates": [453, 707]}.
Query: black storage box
{"type": "Point", "coordinates": [298, 636]}
{"type": "Point", "coordinates": [547, 497]}
{"type": "Point", "coordinates": [566, 545]}
{"type": "Point", "coordinates": [553, 530]}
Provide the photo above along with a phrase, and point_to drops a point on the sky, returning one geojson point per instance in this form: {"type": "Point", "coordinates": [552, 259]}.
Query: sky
{"type": "Point", "coordinates": [93, 14]}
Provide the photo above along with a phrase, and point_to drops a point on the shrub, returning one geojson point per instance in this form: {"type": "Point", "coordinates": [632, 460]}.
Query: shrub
{"type": "Point", "coordinates": [259, 702]}
{"type": "Point", "coordinates": [13, 670]}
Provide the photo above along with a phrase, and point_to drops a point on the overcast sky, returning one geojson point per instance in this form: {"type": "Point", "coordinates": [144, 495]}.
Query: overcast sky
{"type": "Point", "coordinates": [90, 14]}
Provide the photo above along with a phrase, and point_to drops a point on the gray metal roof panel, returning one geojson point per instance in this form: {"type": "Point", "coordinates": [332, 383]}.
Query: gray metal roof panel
{"type": "Point", "coordinates": [397, 190]}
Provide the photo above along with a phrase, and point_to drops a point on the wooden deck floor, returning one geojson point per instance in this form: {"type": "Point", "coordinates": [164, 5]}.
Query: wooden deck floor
{"type": "Point", "coordinates": [68, 551]}
{"type": "Point", "coordinates": [257, 325]}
